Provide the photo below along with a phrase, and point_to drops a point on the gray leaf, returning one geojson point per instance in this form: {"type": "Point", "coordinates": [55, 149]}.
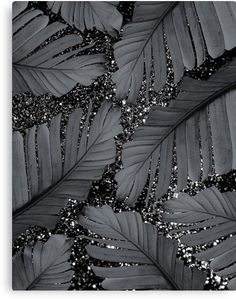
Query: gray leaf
{"type": "Point", "coordinates": [89, 14]}
{"type": "Point", "coordinates": [44, 69]}
{"type": "Point", "coordinates": [216, 213]}
{"type": "Point", "coordinates": [133, 241]}
{"type": "Point", "coordinates": [43, 266]}
{"type": "Point", "coordinates": [40, 188]}
{"type": "Point", "coordinates": [201, 118]}
{"type": "Point", "coordinates": [185, 25]}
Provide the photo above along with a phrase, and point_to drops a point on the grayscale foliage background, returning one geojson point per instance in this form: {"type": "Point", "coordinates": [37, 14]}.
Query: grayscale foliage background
{"type": "Point", "coordinates": [124, 145]}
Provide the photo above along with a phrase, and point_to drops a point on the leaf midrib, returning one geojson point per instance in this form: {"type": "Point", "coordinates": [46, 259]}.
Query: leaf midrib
{"type": "Point", "coordinates": [186, 116]}
{"type": "Point", "coordinates": [36, 68]}
{"type": "Point", "coordinates": [212, 214]}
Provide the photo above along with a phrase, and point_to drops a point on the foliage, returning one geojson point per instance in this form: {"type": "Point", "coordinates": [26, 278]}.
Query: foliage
{"type": "Point", "coordinates": [198, 126]}
{"type": "Point", "coordinates": [152, 257]}
{"type": "Point", "coordinates": [42, 184]}
{"type": "Point", "coordinates": [43, 266]}
{"type": "Point", "coordinates": [199, 118]}
{"type": "Point", "coordinates": [216, 213]}
{"type": "Point", "coordinates": [185, 28]}
{"type": "Point", "coordinates": [40, 67]}
{"type": "Point", "coordinates": [88, 15]}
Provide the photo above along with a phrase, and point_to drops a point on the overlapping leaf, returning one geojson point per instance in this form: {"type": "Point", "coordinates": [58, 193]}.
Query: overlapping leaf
{"type": "Point", "coordinates": [216, 212]}
{"type": "Point", "coordinates": [130, 240]}
{"type": "Point", "coordinates": [184, 27]}
{"type": "Point", "coordinates": [201, 117]}
{"type": "Point", "coordinates": [43, 266]}
{"type": "Point", "coordinates": [42, 183]}
{"type": "Point", "coordinates": [48, 68]}
{"type": "Point", "coordinates": [89, 14]}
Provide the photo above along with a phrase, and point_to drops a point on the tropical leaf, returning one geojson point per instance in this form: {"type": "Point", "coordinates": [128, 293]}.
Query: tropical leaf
{"type": "Point", "coordinates": [201, 117]}
{"type": "Point", "coordinates": [216, 213]}
{"type": "Point", "coordinates": [184, 27]}
{"type": "Point", "coordinates": [42, 184]}
{"type": "Point", "coordinates": [89, 14]}
{"type": "Point", "coordinates": [48, 68]}
{"type": "Point", "coordinates": [130, 240]}
{"type": "Point", "coordinates": [43, 266]}
{"type": "Point", "coordinates": [18, 7]}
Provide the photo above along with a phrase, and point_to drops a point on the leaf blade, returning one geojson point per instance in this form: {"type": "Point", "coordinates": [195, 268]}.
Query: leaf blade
{"type": "Point", "coordinates": [36, 68]}
{"type": "Point", "coordinates": [220, 212]}
{"type": "Point", "coordinates": [195, 97]}
{"type": "Point", "coordinates": [156, 256]}
{"type": "Point", "coordinates": [43, 208]}
{"type": "Point", "coordinates": [33, 270]}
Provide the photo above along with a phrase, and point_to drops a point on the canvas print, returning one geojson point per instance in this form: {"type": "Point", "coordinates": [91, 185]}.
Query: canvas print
{"type": "Point", "coordinates": [124, 145]}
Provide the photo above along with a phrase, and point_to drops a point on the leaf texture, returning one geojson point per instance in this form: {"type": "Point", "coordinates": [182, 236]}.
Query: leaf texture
{"type": "Point", "coordinates": [42, 184]}
{"type": "Point", "coordinates": [216, 213]}
{"type": "Point", "coordinates": [18, 7]}
{"type": "Point", "coordinates": [185, 28]}
{"type": "Point", "coordinates": [89, 15]}
{"type": "Point", "coordinates": [201, 117]}
{"type": "Point", "coordinates": [43, 266]}
{"type": "Point", "coordinates": [40, 67]}
{"type": "Point", "coordinates": [129, 240]}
